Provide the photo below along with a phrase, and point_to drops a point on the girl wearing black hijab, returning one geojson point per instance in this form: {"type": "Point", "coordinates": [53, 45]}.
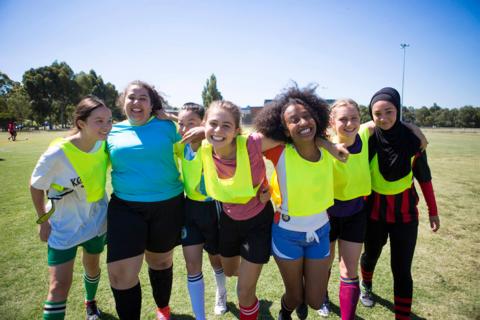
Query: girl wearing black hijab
{"type": "Point", "coordinates": [395, 159]}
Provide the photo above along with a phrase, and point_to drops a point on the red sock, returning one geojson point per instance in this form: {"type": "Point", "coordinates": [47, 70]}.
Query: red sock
{"type": "Point", "coordinates": [367, 277]}
{"type": "Point", "coordinates": [402, 307]}
{"type": "Point", "coordinates": [249, 313]}
{"type": "Point", "coordinates": [348, 296]}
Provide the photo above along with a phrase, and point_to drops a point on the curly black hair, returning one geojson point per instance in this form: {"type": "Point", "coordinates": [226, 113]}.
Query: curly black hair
{"type": "Point", "coordinates": [271, 122]}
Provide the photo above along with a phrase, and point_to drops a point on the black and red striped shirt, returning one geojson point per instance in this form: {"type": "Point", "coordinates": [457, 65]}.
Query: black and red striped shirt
{"type": "Point", "coordinates": [402, 207]}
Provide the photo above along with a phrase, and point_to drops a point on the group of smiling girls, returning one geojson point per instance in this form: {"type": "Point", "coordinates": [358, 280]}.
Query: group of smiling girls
{"type": "Point", "coordinates": [319, 198]}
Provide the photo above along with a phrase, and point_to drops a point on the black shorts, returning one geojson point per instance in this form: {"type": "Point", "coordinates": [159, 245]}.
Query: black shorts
{"type": "Point", "coordinates": [201, 225]}
{"type": "Point", "coordinates": [251, 239]}
{"type": "Point", "coordinates": [133, 227]}
{"type": "Point", "coordinates": [351, 228]}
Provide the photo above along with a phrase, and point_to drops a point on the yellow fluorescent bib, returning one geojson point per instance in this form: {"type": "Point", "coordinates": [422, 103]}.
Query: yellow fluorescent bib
{"type": "Point", "coordinates": [382, 186]}
{"type": "Point", "coordinates": [90, 167]}
{"type": "Point", "coordinates": [309, 184]}
{"type": "Point", "coordinates": [237, 189]}
{"type": "Point", "coordinates": [192, 175]}
{"type": "Point", "coordinates": [352, 179]}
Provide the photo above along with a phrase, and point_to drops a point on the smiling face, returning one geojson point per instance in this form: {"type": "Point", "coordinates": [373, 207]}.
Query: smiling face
{"type": "Point", "coordinates": [384, 114]}
{"type": "Point", "coordinates": [300, 124]}
{"type": "Point", "coordinates": [137, 106]}
{"type": "Point", "coordinates": [220, 128]}
{"type": "Point", "coordinates": [188, 119]}
{"type": "Point", "coordinates": [345, 121]}
{"type": "Point", "coordinates": [97, 125]}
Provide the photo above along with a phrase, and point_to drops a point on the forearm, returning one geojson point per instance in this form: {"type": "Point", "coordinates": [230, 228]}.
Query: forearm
{"type": "Point", "coordinates": [429, 195]}
{"type": "Point", "coordinates": [335, 149]}
{"type": "Point", "coordinates": [38, 199]}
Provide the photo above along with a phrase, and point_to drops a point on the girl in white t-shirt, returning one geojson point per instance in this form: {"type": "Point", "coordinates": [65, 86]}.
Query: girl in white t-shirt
{"type": "Point", "coordinates": [72, 173]}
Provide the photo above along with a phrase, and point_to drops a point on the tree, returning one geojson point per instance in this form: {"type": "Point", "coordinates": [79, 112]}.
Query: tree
{"type": "Point", "coordinates": [91, 83]}
{"type": "Point", "coordinates": [469, 117]}
{"type": "Point", "coordinates": [48, 87]}
{"type": "Point", "coordinates": [423, 117]}
{"type": "Point", "coordinates": [6, 84]}
{"type": "Point", "coordinates": [408, 114]}
{"type": "Point", "coordinates": [18, 103]}
{"type": "Point", "coordinates": [210, 92]}
{"type": "Point", "coordinates": [364, 114]}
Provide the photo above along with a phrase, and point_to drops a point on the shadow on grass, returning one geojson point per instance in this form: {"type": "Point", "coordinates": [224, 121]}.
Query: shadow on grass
{"type": "Point", "coordinates": [264, 312]}
{"type": "Point", "coordinates": [182, 316]}
{"type": "Point", "coordinates": [336, 309]}
{"type": "Point", "coordinates": [108, 316]}
{"type": "Point", "coordinates": [389, 305]}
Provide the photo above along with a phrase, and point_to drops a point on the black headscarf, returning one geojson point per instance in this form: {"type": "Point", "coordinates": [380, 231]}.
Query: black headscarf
{"type": "Point", "coordinates": [396, 146]}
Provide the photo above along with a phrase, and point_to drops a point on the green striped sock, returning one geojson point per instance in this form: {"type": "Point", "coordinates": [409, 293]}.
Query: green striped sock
{"type": "Point", "coordinates": [54, 310]}
{"type": "Point", "coordinates": [91, 285]}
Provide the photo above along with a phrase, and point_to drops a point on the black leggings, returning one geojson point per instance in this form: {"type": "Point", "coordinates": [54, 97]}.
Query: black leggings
{"type": "Point", "coordinates": [403, 238]}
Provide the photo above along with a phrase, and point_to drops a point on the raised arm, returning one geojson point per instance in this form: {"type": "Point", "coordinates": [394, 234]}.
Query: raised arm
{"type": "Point", "coordinates": [416, 130]}
{"type": "Point", "coordinates": [194, 135]}
{"type": "Point", "coordinates": [162, 115]}
{"type": "Point", "coordinates": [338, 150]}
{"type": "Point", "coordinates": [269, 143]}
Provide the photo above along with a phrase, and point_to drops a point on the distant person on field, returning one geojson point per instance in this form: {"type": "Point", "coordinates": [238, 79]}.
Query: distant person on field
{"type": "Point", "coordinates": [72, 173]}
{"type": "Point", "coordinates": [396, 158]}
{"type": "Point", "coordinates": [12, 130]}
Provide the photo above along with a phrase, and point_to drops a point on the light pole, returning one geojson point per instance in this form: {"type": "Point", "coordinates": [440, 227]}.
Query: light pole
{"type": "Point", "coordinates": [404, 48]}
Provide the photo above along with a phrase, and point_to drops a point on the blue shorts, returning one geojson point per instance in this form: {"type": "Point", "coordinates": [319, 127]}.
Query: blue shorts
{"type": "Point", "coordinates": [293, 245]}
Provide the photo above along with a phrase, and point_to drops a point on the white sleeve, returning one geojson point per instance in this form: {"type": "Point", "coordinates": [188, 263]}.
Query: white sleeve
{"type": "Point", "coordinates": [44, 173]}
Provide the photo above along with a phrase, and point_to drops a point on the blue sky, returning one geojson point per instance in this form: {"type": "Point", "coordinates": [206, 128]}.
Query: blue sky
{"type": "Point", "coordinates": [255, 48]}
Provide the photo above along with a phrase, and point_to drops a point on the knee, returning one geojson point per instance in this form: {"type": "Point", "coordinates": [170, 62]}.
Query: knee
{"type": "Point", "coordinates": [293, 301]}
{"type": "Point", "coordinates": [58, 290]}
{"type": "Point", "coordinates": [92, 269]}
{"type": "Point", "coordinates": [314, 302]}
{"type": "Point", "coordinates": [245, 293]}
{"type": "Point", "coordinates": [230, 272]}
{"type": "Point", "coordinates": [193, 267]}
{"type": "Point", "coordinates": [159, 261]}
{"type": "Point", "coordinates": [348, 271]}
{"type": "Point", "coordinates": [121, 278]}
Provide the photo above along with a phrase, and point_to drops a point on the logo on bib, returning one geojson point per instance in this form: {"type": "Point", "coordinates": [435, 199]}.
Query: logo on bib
{"type": "Point", "coordinates": [184, 233]}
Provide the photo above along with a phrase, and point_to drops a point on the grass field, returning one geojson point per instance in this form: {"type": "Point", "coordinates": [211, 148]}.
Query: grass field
{"type": "Point", "coordinates": [444, 267]}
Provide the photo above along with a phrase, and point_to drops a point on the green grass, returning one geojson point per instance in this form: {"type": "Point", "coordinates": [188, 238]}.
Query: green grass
{"type": "Point", "coordinates": [444, 267]}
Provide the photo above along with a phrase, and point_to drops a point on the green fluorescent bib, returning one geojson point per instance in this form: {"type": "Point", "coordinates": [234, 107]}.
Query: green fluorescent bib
{"type": "Point", "coordinates": [90, 167]}
{"type": "Point", "coordinates": [352, 179]}
{"type": "Point", "coordinates": [382, 186]}
{"type": "Point", "coordinates": [237, 189]}
{"type": "Point", "coordinates": [192, 175]}
{"type": "Point", "coordinates": [309, 184]}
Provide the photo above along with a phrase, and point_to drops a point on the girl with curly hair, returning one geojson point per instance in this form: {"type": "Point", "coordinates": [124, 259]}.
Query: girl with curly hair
{"type": "Point", "coordinates": [304, 183]}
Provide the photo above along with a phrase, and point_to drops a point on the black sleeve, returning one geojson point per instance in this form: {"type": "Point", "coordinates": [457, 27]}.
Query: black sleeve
{"type": "Point", "coordinates": [421, 170]}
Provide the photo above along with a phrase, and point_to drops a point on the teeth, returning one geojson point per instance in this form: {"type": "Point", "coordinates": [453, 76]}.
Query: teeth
{"type": "Point", "coordinates": [305, 131]}
{"type": "Point", "coordinates": [136, 109]}
{"type": "Point", "coordinates": [217, 138]}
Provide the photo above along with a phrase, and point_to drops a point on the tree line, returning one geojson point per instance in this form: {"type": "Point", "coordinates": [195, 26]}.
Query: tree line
{"type": "Point", "coordinates": [49, 94]}
{"type": "Point", "coordinates": [436, 116]}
